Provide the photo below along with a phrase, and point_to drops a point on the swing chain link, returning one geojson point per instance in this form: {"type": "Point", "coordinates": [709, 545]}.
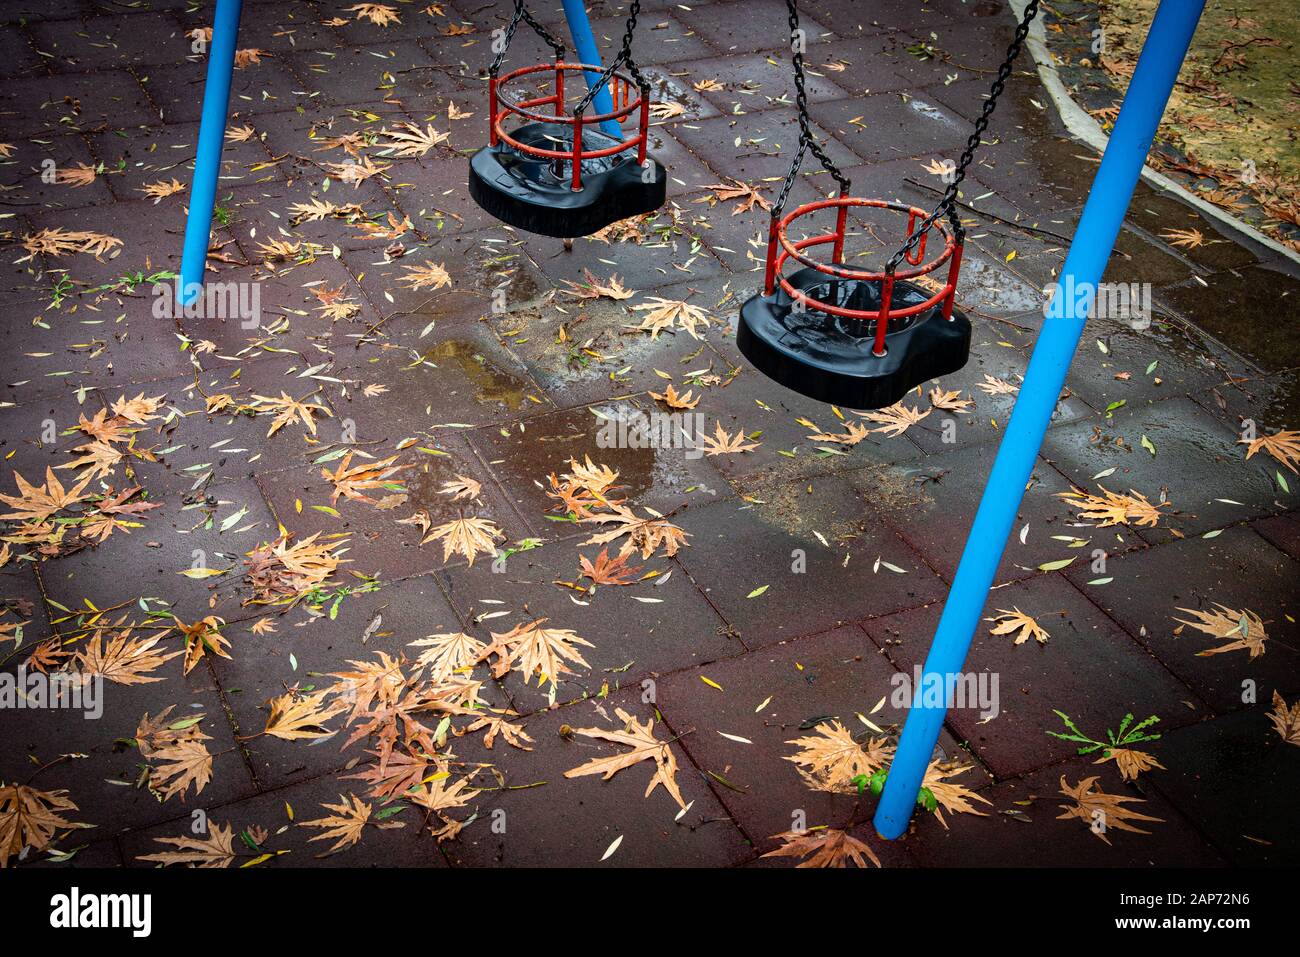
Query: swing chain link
{"type": "Point", "coordinates": [521, 13]}
{"type": "Point", "coordinates": [624, 58]}
{"type": "Point", "coordinates": [806, 140]}
{"type": "Point", "coordinates": [948, 204]}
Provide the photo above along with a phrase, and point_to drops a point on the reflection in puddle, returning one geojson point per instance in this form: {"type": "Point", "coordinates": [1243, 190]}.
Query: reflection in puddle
{"type": "Point", "coordinates": [986, 286]}
{"type": "Point", "coordinates": [493, 386]}
{"type": "Point", "coordinates": [646, 476]}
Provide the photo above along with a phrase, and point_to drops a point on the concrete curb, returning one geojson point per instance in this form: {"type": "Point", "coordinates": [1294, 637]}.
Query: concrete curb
{"type": "Point", "coordinates": [1083, 126]}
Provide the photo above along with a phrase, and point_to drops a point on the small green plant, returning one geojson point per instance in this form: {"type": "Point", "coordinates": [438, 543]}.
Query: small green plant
{"type": "Point", "coordinates": [576, 358]}
{"type": "Point", "coordinates": [61, 289]}
{"type": "Point", "coordinates": [1125, 737]}
{"type": "Point", "coordinates": [128, 282]}
{"type": "Point", "coordinates": [876, 783]}
{"type": "Point", "coordinates": [523, 545]}
{"type": "Point", "coordinates": [333, 597]}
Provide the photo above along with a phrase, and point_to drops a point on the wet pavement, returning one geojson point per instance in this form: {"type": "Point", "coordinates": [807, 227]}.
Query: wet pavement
{"type": "Point", "coordinates": [811, 572]}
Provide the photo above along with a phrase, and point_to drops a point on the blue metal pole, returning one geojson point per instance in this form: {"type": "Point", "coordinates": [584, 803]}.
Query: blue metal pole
{"type": "Point", "coordinates": [1103, 214]}
{"type": "Point", "coordinates": [212, 134]}
{"type": "Point", "coordinates": [585, 43]}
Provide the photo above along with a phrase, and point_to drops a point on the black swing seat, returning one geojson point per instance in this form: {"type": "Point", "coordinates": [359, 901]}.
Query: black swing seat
{"type": "Point", "coordinates": [534, 193]}
{"type": "Point", "coordinates": [830, 358]}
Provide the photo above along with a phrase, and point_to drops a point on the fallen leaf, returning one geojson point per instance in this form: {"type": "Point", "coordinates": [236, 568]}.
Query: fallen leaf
{"type": "Point", "coordinates": [675, 400]}
{"type": "Point", "coordinates": [431, 275]}
{"type": "Point", "coordinates": [296, 717]}
{"type": "Point", "coordinates": [1017, 622]}
{"type": "Point", "coordinates": [661, 314]}
{"type": "Point", "coordinates": [533, 650]}
{"type": "Point", "coordinates": [1186, 238]}
{"type": "Point", "coordinates": [30, 818]}
{"type": "Point", "coordinates": [1102, 812]}
{"type": "Point", "coordinates": [345, 825]}
{"type": "Point", "coordinates": [122, 659]}
{"type": "Point", "coordinates": [161, 189]}
{"type": "Point", "coordinates": [645, 747]}
{"type": "Point", "coordinates": [1111, 508]}
{"type": "Point", "coordinates": [1244, 627]}
{"type": "Point", "coordinates": [647, 534]}
{"type": "Point", "coordinates": [379, 13]}
{"type": "Point", "coordinates": [896, 419]}
{"type": "Point", "coordinates": [830, 758]}
{"type": "Point", "coordinates": [1286, 720]}
{"type": "Point", "coordinates": [1283, 445]}
{"type": "Point", "coordinates": [824, 847]}
{"type": "Point", "coordinates": [448, 653]}
{"type": "Point", "coordinates": [407, 139]}
{"type": "Point", "coordinates": [468, 537]}
{"type": "Point", "coordinates": [721, 443]}
{"type": "Point", "coordinates": [215, 850]}
{"type": "Point", "coordinates": [609, 571]}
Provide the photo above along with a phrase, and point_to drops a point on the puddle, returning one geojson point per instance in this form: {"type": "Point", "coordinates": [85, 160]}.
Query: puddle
{"type": "Point", "coordinates": [1253, 311]}
{"type": "Point", "coordinates": [493, 385]}
{"type": "Point", "coordinates": [662, 471]}
{"type": "Point", "coordinates": [1282, 401]}
{"type": "Point", "coordinates": [667, 89]}
{"type": "Point", "coordinates": [658, 478]}
{"type": "Point", "coordinates": [1169, 336]}
{"type": "Point", "coordinates": [500, 266]}
{"type": "Point", "coordinates": [522, 287]}
{"type": "Point", "coordinates": [986, 286]}
{"type": "Point", "coordinates": [1274, 401]}
{"type": "Point", "coordinates": [424, 492]}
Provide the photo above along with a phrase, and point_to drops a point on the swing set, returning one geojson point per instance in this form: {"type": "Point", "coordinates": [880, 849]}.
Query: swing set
{"type": "Point", "coordinates": [831, 332]}
{"type": "Point", "coordinates": [853, 337]}
{"type": "Point", "coordinates": [557, 175]}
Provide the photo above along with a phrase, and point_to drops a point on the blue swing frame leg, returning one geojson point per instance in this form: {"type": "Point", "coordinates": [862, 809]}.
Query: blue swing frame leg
{"type": "Point", "coordinates": [212, 133]}
{"type": "Point", "coordinates": [1112, 190]}
{"type": "Point", "coordinates": [584, 42]}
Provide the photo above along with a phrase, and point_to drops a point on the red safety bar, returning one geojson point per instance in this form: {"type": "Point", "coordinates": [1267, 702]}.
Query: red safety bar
{"type": "Point", "coordinates": [625, 101]}
{"type": "Point", "coordinates": [781, 248]}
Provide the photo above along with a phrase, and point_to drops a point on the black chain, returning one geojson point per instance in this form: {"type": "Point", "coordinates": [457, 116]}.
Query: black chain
{"type": "Point", "coordinates": [948, 204]}
{"type": "Point", "coordinates": [521, 13]}
{"type": "Point", "coordinates": [624, 57]}
{"type": "Point", "coordinates": [806, 141]}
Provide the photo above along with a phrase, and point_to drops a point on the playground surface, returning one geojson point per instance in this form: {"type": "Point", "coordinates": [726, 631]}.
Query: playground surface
{"type": "Point", "coordinates": [273, 539]}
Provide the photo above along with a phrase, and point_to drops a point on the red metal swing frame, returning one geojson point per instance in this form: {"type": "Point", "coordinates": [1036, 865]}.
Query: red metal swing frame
{"type": "Point", "coordinates": [625, 102]}
{"type": "Point", "coordinates": [781, 248]}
